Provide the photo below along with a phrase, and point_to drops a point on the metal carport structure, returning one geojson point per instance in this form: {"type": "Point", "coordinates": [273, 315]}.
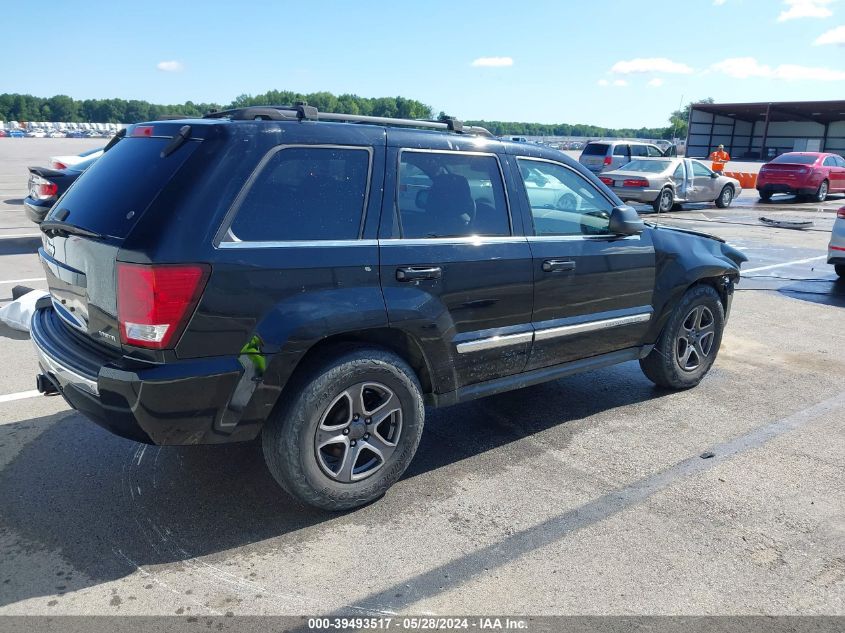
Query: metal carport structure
{"type": "Point", "coordinates": [760, 131]}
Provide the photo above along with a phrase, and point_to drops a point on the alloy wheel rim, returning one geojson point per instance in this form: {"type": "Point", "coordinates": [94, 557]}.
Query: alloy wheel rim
{"type": "Point", "coordinates": [666, 202]}
{"type": "Point", "coordinates": [358, 432]}
{"type": "Point", "coordinates": [823, 191]}
{"type": "Point", "coordinates": [727, 196]}
{"type": "Point", "coordinates": [694, 342]}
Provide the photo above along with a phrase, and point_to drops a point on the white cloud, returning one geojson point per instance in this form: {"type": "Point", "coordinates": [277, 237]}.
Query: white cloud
{"type": "Point", "coordinates": [746, 67]}
{"type": "Point", "coordinates": [493, 62]}
{"type": "Point", "coordinates": [833, 36]}
{"type": "Point", "coordinates": [621, 83]}
{"type": "Point", "coordinates": [171, 66]}
{"type": "Point", "coordinates": [656, 82]}
{"type": "Point", "coordinates": [650, 65]}
{"type": "Point", "coordinates": [805, 9]}
{"type": "Point", "coordinates": [604, 83]}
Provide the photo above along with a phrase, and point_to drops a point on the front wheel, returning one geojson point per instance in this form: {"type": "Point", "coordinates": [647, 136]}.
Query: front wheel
{"type": "Point", "coordinates": [348, 431]}
{"type": "Point", "coordinates": [664, 201]}
{"type": "Point", "coordinates": [688, 345]}
{"type": "Point", "coordinates": [821, 192]}
{"type": "Point", "coordinates": [725, 197]}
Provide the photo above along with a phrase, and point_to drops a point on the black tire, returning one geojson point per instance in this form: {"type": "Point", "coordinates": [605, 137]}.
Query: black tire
{"type": "Point", "coordinates": [665, 201]}
{"type": "Point", "coordinates": [290, 437]}
{"type": "Point", "coordinates": [726, 197]}
{"type": "Point", "coordinates": [821, 192]}
{"type": "Point", "coordinates": [765, 195]}
{"type": "Point", "coordinates": [840, 270]}
{"type": "Point", "coordinates": [663, 366]}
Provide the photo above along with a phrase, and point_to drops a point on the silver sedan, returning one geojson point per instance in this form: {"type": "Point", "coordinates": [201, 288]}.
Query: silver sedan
{"type": "Point", "coordinates": [666, 182]}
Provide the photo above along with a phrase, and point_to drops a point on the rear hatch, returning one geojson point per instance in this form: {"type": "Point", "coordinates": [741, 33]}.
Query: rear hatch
{"type": "Point", "coordinates": [85, 229]}
{"type": "Point", "coordinates": [593, 156]}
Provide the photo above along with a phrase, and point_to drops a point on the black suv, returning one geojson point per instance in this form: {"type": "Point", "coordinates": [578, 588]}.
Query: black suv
{"type": "Point", "coordinates": [317, 279]}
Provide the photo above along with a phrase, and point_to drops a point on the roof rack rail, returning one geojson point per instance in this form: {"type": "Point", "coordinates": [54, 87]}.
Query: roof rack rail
{"type": "Point", "coordinates": [302, 111]}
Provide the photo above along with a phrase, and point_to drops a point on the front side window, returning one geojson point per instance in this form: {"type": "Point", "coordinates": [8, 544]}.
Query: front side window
{"type": "Point", "coordinates": [305, 194]}
{"type": "Point", "coordinates": [653, 151]}
{"type": "Point", "coordinates": [562, 201]}
{"type": "Point", "coordinates": [451, 194]}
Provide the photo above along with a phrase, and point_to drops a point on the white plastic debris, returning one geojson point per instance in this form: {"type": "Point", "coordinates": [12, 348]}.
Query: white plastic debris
{"type": "Point", "coordinates": [18, 313]}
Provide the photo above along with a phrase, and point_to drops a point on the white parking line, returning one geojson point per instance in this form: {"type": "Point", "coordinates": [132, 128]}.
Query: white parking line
{"type": "Point", "coordinates": [21, 395]}
{"type": "Point", "coordinates": [782, 264]}
{"type": "Point", "coordinates": [18, 281]}
{"type": "Point", "coordinates": [19, 235]}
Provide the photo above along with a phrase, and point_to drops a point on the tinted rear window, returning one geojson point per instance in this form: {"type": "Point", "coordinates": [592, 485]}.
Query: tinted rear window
{"type": "Point", "coordinates": [795, 159]}
{"type": "Point", "coordinates": [595, 149]}
{"type": "Point", "coordinates": [113, 193]}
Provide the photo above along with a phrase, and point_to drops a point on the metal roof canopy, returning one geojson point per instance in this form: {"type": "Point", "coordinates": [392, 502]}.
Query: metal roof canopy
{"type": "Point", "coordinates": [818, 111]}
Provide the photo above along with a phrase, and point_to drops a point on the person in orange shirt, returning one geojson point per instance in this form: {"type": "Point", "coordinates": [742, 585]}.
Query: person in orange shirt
{"type": "Point", "coordinates": [719, 158]}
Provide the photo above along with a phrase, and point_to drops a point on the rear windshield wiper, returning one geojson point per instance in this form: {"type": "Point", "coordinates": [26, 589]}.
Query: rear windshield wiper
{"type": "Point", "coordinates": [53, 227]}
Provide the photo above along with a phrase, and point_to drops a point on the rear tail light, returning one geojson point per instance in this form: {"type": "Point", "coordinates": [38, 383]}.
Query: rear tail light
{"type": "Point", "coordinates": [154, 303]}
{"type": "Point", "coordinates": [57, 164]}
{"type": "Point", "coordinates": [41, 188]}
{"type": "Point", "coordinates": [841, 213]}
{"type": "Point", "coordinates": [608, 160]}
{"type": "Point", "coordinates": [607, 181]}
{"type": "Point", "coordinates": [635, 182]}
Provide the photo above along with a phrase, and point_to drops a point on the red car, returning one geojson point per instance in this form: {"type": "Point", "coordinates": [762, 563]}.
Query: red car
{"type": "Point", "coordinates": [813, 174]}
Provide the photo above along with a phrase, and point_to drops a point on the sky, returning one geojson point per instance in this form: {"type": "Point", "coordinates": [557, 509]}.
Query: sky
{"type": "Point", "coordinates": [609, 62]}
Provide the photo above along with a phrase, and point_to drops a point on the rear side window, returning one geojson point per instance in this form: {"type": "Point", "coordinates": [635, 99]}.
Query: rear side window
{"type": "Point", "coordinates": [305, 194]}
{"type": "Point", "coordinates": [451, 194]}
{"type": "Point", "coordinates": [829, 162]}
{"type": "Point", "coordinates": [595, 149]}
{"type": "Point", "coordinates": [113, 193]}
{"type": "Point", "coordinates": [639, 150]}
{"type": "Point", "coordinates": [653, 151]}
{"type": "Point", "coordinates": [621, 150]}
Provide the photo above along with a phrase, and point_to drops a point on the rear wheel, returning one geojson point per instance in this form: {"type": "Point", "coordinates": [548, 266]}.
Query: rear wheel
{"type": "Point", "coordinates": [349, 430]}
{"type": "Point", "coordinates": [821, 192]}
{"type": "Point", "coordinates": [725, 197]}
{"type": "Point", "coordinates": [765, 195]}
{"type": "Point", "coordinates": [688, 345]}
{"type": "Point", "coordinates": [840, 270]}
{"type": "Point", "coordinates": [665, 201]}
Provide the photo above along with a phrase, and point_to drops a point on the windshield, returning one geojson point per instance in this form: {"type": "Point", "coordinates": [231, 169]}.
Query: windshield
{"type": "Point", "coordinates": [648, 166]}
{"type": "Point", "coordinates": [796, 159]}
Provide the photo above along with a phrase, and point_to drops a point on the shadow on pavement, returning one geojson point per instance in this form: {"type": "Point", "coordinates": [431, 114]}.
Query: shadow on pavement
{"type": "Point", "coordinates": [81, 507]}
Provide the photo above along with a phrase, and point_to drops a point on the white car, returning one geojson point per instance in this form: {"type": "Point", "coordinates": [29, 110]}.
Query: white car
{"type": "Point", "coordinates": [63, 162]}
{"type": "Point", "coordinates": [36, 134]}
{"type": "Point", "coordinates": [836, 248]}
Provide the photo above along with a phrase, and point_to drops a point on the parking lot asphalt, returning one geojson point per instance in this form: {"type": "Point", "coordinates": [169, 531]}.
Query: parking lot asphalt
{"type": "Point", "coordinates": [588, 495]}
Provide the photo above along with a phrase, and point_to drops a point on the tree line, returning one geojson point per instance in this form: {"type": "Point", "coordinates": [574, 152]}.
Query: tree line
{"type": "Point", "coordinates": [20, 107]}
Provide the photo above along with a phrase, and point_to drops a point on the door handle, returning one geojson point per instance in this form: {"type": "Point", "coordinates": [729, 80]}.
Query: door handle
{"type": "Point", "coordinates": [558, 265]}
{"type": "Point", "coordinates": [414, 273]}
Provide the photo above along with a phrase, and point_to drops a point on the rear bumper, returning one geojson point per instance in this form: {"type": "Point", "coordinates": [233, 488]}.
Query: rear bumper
{"type": "Point", "coordinates": [34, 211]}
{"type": "Point", "coordinates": [186, 402]}
{"type": "Point", "coordinates": [636, 195]}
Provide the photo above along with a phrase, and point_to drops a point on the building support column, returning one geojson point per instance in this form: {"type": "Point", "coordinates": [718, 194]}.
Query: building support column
{"type": "Point", "coordinates": [763, 153]}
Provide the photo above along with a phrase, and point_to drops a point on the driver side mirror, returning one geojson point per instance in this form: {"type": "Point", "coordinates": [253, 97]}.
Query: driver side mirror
{"type": "Point", "coordinates": [714, 175]}
{"type": "Point", "coordinates": [624, 220]}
